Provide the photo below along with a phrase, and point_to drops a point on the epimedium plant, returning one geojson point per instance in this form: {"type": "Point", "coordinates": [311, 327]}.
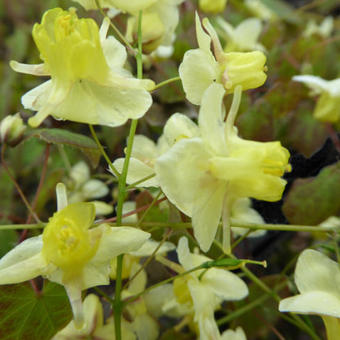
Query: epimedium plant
{"type": "Point", "coordinates": [190, 191]}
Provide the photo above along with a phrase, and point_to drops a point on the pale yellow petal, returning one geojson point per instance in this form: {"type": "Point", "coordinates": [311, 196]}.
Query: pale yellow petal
{"type": "Point", "coordinates": [118, 240]}
{"type": "Point", "coordinates": [316, 272]}
{"type": "Point", "coordinates": [94, 188]}
{"type": "Point", "coordinates": [114, 52]}
{"type": "Point", "coordinates": [203, 39]}
{"type": "Point", "coordinates": [225, 284]}
{"type": "Point", "coordinates": [207, 212]}
{"type": "Point", "coordinates": [211, 119]}
{"type": "Point", "coordinates": [198, 71]}
{"type": "Point", "coordinates": [182, 173]}
{"type": "Point", "coordinates": [313, 302]}
{"type": "Point", "coordinates": [137, 171]}
{"type": "Point", "coordinates": [146, 327]}
{"type": "Point", "coordinates": [103, 105]}
{"type": "Point", "coordinates": [36, 70]}
{"type": "Point", "coordinates": [144, 149]}
{"type": "Point", "coordinates": [179, 126]}
{"type": "Point", "coordinates": [238, 334]}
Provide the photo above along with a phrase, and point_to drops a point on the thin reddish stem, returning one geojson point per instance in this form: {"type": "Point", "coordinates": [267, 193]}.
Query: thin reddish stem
{"type": "Point", "coordinates": [133, 212]}
{"type": "Point", "coordinates": [40, 185]}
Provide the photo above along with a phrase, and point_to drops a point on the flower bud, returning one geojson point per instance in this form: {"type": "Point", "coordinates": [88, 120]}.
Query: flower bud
{"type": "Point", "coordinates": [153, 30]}
{"type": "Point", "coordinates": [11, 129]}
{"type": "Point", "coordinates": [245, 69]}
{"type": "Point", "coordinates": [327, 108]}
{"type": "Point", "coordinates": [212, 6]}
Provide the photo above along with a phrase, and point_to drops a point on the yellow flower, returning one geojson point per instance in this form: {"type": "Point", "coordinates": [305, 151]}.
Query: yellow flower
{"type": "Point", "coordinates": [204, 176]}
{"type": "Point", "coordinates": [202, 67]}
{"type": "Point", "coordinates": [200, 296]}
{"type": "Point", "coordinates": [94, 326]}
{"type": "Point", "coordinates": [212, 6]}
{"type": "Point", "coordinates": [318, 279]}
{"type": "Point", "coordinates": [328, 105]}
{"type": "Point", "coordinates": [69, 252]}
{"type": "Point", "coordinates": [88, 82]}
{"type": "Point", "coordinates": [145, 151]}
{"type": "Point", "coordinates": [159, 19]}
{"type": "Point", "coordinates": [131, 6]}
{"type": "Point", "coordinates": [244, 37]}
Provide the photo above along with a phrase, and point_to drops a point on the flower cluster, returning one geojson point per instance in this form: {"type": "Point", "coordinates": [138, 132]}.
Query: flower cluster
{"type": "Point", "coordinates": [206, 171]}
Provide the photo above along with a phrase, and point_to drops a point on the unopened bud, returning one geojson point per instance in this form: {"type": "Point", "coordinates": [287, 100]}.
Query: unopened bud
{"type": "Point", "coordinates": [212, 6]}
{"type": "Point", "coordinates": [152, 29]}
{"type": "Point", "coordinates": [243, 68]}
{"type": "Point", "coordinates": [11, 129]}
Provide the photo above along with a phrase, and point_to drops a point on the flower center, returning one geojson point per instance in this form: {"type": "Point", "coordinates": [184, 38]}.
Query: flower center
{"type": "Point", "coordinates": [66, 239]}
{"type": "Point", "coordinates": [182, 291]}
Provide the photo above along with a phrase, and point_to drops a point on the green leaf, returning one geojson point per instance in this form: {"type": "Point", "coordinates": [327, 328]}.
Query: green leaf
{"type": "Point", "coordinates": [283, 10]}
{"type": "Point", "coordinates": [8, 239]}
{"type": "Point", "coordinates": [24, 315]}
{"type": "Point", "coordinates": [312, 200]}
{"type": "Point", "coordinates": [64, 137]}
{"type": "Point", "coordinates": [304, 133]}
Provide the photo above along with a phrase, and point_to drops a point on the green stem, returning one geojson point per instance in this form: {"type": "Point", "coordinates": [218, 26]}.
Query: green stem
{"type": "Point", "coordinates": [64, 157]}
{"type": "Point", "coordinates": [17, 186]}
{"type": "Point", "coordinates": [116, 30]}
{"type": "Point", "coordinates": [22, 226]}
{"type": "Point", "coordinates": [133, 185]}
{"type": "Point", "coordinates": [102, 293]}
{"type": "Point", "coordinates": [118, 306]}
{"type": "Point", "coordinates": [108, 161]}
{"type": "Point", "coordinates": [249, 306]}
{"type": "Point", "coordinates": [166, 82]}
{"type": "Point", "coordinates": [148, 209]}
{"type": "Point", "coordinates": [278, 227]}
{"type": "Point", "coordinates": [139, 54]}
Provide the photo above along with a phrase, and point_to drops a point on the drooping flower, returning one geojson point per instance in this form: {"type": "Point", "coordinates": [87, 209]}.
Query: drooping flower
{"type": "Point", "coordinates": [159, 22]}
{"type": "Point", "coordinates": [201, 67]}
{"type": "Point", "coordinates": [70, 252]}
{"type": "Point", "coordinates": [94, 326]}
{"type": "Point", "coordinates": [88, 82]}
{"type": "Point", "coordinates": [318, 280]}
{"type": "Point", "coordinates": [140, 321]}
{"type": "Point", "coordinates": [145, 151]}
{"type": "Point", "coordinates": [82, 188]}
{"type": "Point", "coordinates": [324, 29]}
{"type": "Point", "coordinates": [238, 334]}
{"type": "Point", "coordinates": [202, 295]}
{"type": "Point", "coordinates": [328, 105]}
{"type": "Point", "coordinates": [244, 37]}
{"type": "Point", "coordinates": [212, 6]}
{"type": "Point", "coordinates": [242, 212]}
{"type": "Point", "coordinates": [203, 176]}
